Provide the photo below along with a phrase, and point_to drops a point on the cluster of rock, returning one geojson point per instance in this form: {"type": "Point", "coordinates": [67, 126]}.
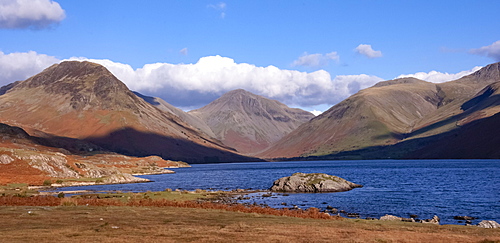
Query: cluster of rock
{"type": "Point", "coordinates": [313, 182]}
{"type": "Point", "coordinates": [435, 220]}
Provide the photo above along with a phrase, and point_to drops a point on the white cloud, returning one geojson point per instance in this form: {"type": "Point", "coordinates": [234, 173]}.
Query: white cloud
{"type": "Point", "coordinates": [221, 7]}
{"type": "Point", "coordinates": [367, 51]}
{"type": "Point", "coordinates": [439, 77]}
{"type": "Point", "coordinates": [316, 112]}
{"type": "Point", "coordinates": [184, 51]}
{"type": "Point", "coordinates": [195, 85]}
{"type": "Point", "coordinates": [190, 86]}
{"type": "Point", "coordinates": [351, 84]}
{"type": "Point", "coordinates": [492, 51]}
{"type": "Point", "coordinates": [37, 14]}
{"type": "Point", "coordinates": [22, 65]}
{"type": "Point", "coordinates": [315, 60]}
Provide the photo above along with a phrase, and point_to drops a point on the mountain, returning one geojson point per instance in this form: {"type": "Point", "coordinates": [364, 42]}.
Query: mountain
{"type": "Point", "coordinates": [394, 112]}
{"type": "Point", "coordinates": [248, 122]}
{"type": "Point", "coordinates": [182, 115]}
{"type": "Point", "coordinates": [83, 100]}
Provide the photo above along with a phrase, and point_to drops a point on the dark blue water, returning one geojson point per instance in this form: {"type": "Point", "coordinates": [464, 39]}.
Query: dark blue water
{"type": "Point", "coordinates": [426, 188]}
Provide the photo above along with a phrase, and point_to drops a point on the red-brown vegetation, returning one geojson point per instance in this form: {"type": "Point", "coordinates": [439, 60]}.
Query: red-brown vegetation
{"type": "Point", "coordinates": [11, 200]}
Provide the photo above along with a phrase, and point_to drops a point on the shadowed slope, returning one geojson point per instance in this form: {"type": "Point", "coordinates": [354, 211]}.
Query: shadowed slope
{"type": "Point", "coordinates": [33, 160]}
{"type": "Point", "coordinates": [184, 116]}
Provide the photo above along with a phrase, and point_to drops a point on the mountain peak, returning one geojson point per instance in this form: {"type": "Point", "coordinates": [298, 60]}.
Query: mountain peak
{"type": "Point", "coordinates": [406, 80]}
{"type": "Point", "coordinates": [250, 122]}
{"type": "Point", "coordinates": [491, 71]}
{"type": "Point", "coordinates": [238, 93]}
{"type": "Point", "coordinates": [87, 83]}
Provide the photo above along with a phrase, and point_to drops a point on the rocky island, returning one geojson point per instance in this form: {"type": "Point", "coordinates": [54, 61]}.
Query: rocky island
{"type": "Point", "coordinates": [312, 182]}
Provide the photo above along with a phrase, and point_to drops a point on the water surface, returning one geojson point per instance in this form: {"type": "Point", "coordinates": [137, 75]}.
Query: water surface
{"type": "Point", "coordinates": [426, 188]}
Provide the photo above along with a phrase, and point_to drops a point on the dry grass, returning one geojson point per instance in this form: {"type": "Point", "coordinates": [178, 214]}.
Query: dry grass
{"type": "Point", "coordinates": [174, 224]}
{"type": "Point", "coordinates": [133, 202]}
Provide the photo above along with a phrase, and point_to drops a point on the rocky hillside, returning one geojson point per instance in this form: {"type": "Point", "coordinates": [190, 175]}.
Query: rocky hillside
{"type": "Point", "coordinates": [393, 112]}
{"type": "Point", "coordinates": [248, 122]}
{"type": "Point", "coordinates": [28, 159]}
{"type": "Point", "coordinates": [83, 100]}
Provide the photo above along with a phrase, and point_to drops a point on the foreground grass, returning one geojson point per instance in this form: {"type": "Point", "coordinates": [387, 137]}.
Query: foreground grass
{"type": "Point", "coordinates": [172, 224]}
{"type": "Point", "coordinates": [181, 217]}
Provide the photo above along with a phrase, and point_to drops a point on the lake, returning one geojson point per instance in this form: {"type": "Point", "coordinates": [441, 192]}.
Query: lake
{"type": "Point", "coordinates": [426, 188]}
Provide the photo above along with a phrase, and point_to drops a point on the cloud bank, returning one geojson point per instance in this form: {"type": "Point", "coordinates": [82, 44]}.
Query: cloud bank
{"type": "Point", "coordinates": [492, 51]}
{"type": "Point", "coordinates": [23, 14]}
{"type": "Point", "coordinates": [367, 50]}
{"type": "Point", "coordinates": [439, 77]}
{"type": "Point", "coordinates": [22, 65]}
{"type": "Point", "coordinates": [315, 60]}
{"type": "Point", "coordinates": [194, 85]}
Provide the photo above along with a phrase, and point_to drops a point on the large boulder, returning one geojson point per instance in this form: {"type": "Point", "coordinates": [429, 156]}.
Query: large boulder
{"type": "Point", "coordinates": [313, 182]}
{"type": "Point", "coordinates": [489, 224]}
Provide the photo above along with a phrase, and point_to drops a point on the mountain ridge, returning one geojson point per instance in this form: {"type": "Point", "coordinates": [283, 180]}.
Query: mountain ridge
{"type": "Point", "coordinates": [249, 122]}
{"type": "Point", "coordinates": [391, 112]}
{"type": "Point", "coordinates": [85, 101]}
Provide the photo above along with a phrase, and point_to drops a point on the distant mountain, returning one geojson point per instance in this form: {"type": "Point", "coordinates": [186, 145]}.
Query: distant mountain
{"type": "Point", "coordinates": [83, 100]}
{"type": "Point", "coordinates": [248, 122]}
{"type": "Point", "coordinates": [407, 114]}
{"type": "Point", "coordinates": [184, 116]}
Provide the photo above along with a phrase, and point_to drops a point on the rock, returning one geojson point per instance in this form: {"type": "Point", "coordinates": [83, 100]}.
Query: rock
{"type": "Point", "coordinates": [434, 220]}
{"type": "Point", "coordinates": [5, 159]}
{"type": "Point", "coordinates": [408, 220]}
{"type": "Point", "coordinates": [313, 182]}
{"type": "Point", "coordinates": [388, 217]}
{"type": "Point", "coordinates": [489, 224]}
{"type": "Point", "coordinates": [123, 178]}
{"type": "Point", "coordinates": [463, 218]}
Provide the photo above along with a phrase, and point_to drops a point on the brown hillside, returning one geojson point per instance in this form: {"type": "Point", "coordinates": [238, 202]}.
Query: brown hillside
{"type": "Point", "coordinates": [184, 116]}
{"type": "Point", "coordinates": [84, 100]}
{"type": "Point", "coordinates": [394, 111]}
{"type": "Point", "coordinates": [248, 122]}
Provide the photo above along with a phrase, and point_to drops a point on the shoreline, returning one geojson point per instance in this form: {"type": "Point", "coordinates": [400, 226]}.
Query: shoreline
{"type": "Point", "coordinates": [236, 196]}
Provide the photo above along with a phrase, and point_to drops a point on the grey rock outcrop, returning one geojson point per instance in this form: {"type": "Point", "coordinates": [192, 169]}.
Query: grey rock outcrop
{"type": "Point", "coordinates": [388, 217]}
{"type": "Point", "coordinates": [434, 220]}
{"type": "Point", "coordinates": [313, 182]}
{"type": "Point", "coordinates": [5, 159]}
{"type": "Point", "coordinates": [489, 224]}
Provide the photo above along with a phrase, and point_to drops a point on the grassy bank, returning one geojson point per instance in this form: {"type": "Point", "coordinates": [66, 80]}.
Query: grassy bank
{"type": "Point", "coordinates": [174, 224]}
{"type": "Point", "coordinates": [175, 216]}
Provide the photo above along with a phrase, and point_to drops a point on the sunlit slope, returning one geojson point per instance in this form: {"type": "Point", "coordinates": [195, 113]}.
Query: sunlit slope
{"type": "Point", "coordinates": [392, 112]}
{"type": "Point", "coordinates": [249, 122]}
{"type": "Point", "coordinates": [84, 100]}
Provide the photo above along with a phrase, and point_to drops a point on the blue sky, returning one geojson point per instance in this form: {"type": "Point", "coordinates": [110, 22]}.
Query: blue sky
{"type": "Point", "coordinates": [309, 54]}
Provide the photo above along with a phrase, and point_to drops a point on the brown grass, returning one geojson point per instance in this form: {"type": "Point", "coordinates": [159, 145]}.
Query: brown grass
{"type": "Point", "coordinates": [177, 224]}
{"type": "Point", "coordinates": [11, 200]}
{"type": "Point", "coordinates": [136, 217]}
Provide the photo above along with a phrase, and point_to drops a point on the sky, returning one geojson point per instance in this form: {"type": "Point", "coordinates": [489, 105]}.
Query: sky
{"type": "Point", "coordinates": [306, 54]}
